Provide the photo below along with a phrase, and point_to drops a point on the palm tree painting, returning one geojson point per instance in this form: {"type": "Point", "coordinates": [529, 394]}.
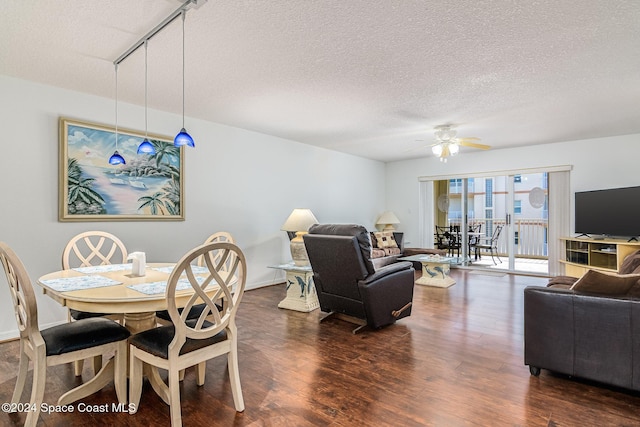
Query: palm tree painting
{"type": "Point", "coordinates": [145, 187]}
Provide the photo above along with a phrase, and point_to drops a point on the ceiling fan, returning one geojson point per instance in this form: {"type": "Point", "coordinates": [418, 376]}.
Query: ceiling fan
{"type": "Point", "coordinates": [448, 145]}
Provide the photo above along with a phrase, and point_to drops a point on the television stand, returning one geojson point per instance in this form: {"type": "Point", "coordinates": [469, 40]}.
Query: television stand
{"type": "Point", "coordinates": [600, 253]}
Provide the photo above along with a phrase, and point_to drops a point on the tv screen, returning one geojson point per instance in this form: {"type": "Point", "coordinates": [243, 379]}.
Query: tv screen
{"type": "Point", "coordinates": [614, 212]}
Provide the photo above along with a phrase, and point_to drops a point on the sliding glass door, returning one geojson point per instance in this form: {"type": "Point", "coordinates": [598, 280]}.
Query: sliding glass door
{"type": "Point", "coordinates": [503, 220]}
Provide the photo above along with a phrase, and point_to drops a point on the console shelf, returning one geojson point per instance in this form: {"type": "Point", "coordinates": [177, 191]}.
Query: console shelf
{"type": "Point", "coordinates": [583, 254]}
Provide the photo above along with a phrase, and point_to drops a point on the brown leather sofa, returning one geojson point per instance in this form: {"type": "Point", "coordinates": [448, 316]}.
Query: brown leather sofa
{"type": "Point", "coordinates": [347, 283]}
{"type": "Point", "coordinates": [596, 337]}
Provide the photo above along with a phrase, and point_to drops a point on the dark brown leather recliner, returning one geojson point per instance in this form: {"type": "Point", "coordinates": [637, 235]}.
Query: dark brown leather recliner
{"type": "Point", "coordinates": [347, 283]}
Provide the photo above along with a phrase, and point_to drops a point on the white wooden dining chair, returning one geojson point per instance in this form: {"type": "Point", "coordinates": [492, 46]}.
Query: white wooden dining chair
{"type": "Point", "coordinates": [189, 342]}
{"type": "Point", "coordinates": [162, 317]}
{"type": "Point", "coordinates": [93, 248]}
{"type": "Point", "coordinates": [85, 250]}
{"type": "Point", "coordinates": [220, 236]}
{"type": "Point", "coordinates": [60, 344]}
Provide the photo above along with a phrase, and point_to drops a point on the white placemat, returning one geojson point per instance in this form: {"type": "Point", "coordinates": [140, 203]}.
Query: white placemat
{"type": "Point", "coordinates": [103, 268]}
{"type": "Point", "coordinates": [67, 284]}
{"type": "Point", "coordinates": [194, 268]}
{"type": "Point", "coordinates": [154, 288]}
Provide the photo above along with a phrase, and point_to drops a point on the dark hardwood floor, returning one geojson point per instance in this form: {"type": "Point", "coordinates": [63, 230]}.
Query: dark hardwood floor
{"type": "Point", "coordinates": [457, 361]}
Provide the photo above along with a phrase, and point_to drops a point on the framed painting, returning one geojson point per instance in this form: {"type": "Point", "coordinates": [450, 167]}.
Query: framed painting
{"type": "Point", "coordinates": [146, 187]}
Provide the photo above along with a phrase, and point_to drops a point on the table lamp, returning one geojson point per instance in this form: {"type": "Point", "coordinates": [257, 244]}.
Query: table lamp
{"type": "Point", "coordinates": [388, 219]}
{"type": "Point", "coordinates": [299, 222]}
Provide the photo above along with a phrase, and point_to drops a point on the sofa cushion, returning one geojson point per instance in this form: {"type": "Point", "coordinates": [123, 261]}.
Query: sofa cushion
{"type": "Point", "coordinates": [385, 239]}
{"type": "Point", "coordinates": [597, 282]}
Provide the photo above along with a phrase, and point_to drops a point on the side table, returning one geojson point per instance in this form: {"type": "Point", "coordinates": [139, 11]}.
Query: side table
{"type": "Point", "coordinates": [301, 292]}
{"type": "Point", "coordinates": [435, 270]}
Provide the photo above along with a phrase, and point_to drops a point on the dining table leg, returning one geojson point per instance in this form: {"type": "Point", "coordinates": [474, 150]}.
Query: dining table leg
{"type": "Point", "coordinates": [139, 322]}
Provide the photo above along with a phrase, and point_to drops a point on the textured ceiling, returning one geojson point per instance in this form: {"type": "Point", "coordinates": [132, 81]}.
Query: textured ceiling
{"type": "Point", "coordinates": [360, 76]}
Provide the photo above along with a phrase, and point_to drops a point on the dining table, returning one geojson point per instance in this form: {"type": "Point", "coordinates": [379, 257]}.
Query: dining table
{"type": "Point", "coordinates": [114, 289]}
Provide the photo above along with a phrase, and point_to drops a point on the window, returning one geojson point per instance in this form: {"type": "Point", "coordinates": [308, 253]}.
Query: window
{"type": "Point", "coordinates": [488, 197]}
{"type": "Point", "coordinates": [517, 207]}
{"type": "Point", "coordinates": [517, 179]}
{"type": "Point", "coordinates": [455, 186]}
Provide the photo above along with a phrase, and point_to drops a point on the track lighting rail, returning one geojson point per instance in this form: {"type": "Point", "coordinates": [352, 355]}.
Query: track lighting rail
{"type": "Point", "coordinates": [187, 5]}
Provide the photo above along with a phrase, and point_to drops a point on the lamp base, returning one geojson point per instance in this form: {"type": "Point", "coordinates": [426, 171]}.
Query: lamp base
{"type": "Point", "coordinates": [389, 227]}
{"type": "Point", "coordinates": [299, 251]}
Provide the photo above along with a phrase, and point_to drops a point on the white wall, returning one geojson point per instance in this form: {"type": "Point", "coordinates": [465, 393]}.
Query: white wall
{"type": "Point", "coordinates": [597, 164]}
{"type": "Point", "coordinates": [235, 180]}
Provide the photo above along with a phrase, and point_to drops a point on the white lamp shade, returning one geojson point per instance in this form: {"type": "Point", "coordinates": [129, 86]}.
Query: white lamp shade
{"type": "Point", "coordinates": [299, 220]}
{"type": "Point", "coordinates": [388, 218]}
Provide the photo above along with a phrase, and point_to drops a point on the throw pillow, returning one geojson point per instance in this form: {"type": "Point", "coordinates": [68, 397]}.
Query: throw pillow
{"type": "Point", "coordinates": [631, 263]}
{"type": "Point", "coordinates": [597, 282]}
{"type": "Point", "coordinates": [565, 281]}
{"type": "Point", "coordinates": [385, 239]}
{"type": "Point", "coordinates": [377, 253]}
{"type": "Point", "coordinates": [374, 241]}
{"type": "Point", "coordinates": [391, 251]}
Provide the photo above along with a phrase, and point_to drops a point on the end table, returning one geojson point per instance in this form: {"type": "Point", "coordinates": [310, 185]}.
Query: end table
{"type": "Point", "coordinates": [301, 292]}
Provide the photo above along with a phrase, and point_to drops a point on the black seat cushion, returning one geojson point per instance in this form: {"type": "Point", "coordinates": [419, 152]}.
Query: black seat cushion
{"type": "Point", "coordinates": [156, 341]}
{"type": "Point", "coordinates": [194, 313]}
{"type": "Point", "coordinates": [82, 334]}
{"type": "Point", "coordinates": [78, 315]}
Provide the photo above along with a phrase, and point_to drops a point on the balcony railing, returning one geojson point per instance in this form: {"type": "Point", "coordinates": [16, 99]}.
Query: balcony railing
{"type": "Point", "coordinates": [530, 235]}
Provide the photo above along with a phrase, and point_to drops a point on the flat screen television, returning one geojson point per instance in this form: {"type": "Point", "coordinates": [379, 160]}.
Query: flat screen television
{"type": "Point", "coordinates": [614, 212]}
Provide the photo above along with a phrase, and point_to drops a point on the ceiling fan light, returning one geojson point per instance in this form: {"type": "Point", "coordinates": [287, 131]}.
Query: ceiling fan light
{"type": "Point", "coordinates": [437, 150]}
{"type": "Point", "coordinates": [454, 148]}
{"type": "Point", "coordinates": [445, 133]}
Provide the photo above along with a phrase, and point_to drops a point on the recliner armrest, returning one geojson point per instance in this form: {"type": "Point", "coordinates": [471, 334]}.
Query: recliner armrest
{"type": "Point", "coordinates": [387, 270]}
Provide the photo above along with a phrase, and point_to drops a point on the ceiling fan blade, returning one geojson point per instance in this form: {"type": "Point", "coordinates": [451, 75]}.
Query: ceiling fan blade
{"type": "Point", "coordinates": [473, 145]}
{"type": "Point", "coordinates": [469, 138]}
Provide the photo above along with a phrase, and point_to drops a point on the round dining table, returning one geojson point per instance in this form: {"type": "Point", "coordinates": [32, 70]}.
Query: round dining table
{"type": "Point", "coordinates": [137, 307]}
{"type": "Point", "coordinates": [113, 289]}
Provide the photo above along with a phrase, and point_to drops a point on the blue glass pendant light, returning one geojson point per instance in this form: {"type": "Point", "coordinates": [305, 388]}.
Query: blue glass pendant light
{"type": "Point", "coordinates": [183, 137]}
{"type": "Point", "coordinates": [146, 147]}
{"type": "Point", "coordinates": [116, 158]}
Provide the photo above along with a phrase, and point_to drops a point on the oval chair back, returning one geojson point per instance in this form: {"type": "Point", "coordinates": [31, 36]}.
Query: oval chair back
{"type": "Point", "coordinates": [93, 248]}
{"type": "Point", "coordinates": [220, 236]}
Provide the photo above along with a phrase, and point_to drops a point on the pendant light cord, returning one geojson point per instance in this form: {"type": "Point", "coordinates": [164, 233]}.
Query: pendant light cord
{"type": "Point", "coordinates": [184, 14]}
{"type": "Point", "coordinates": [146, 42]}
{"type": "Point", "coordinates": [116, 106]}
